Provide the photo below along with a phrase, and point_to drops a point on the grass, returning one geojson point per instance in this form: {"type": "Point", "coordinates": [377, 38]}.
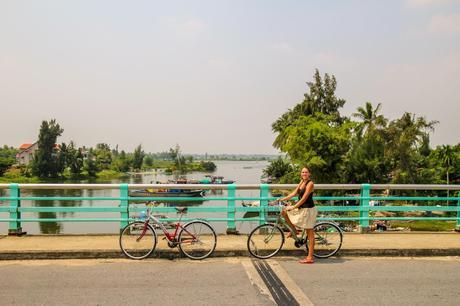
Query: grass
{"type": "Point", "coordinates": [434, 226]}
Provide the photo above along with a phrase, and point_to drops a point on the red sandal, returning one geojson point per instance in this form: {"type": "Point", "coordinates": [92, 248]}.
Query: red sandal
{"type": "Point", "coordinates": [306, 261]}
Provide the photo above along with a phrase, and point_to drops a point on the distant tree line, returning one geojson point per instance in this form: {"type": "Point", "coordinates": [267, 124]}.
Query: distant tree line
{"type": "Point", "coordinates": [52, 160]}
{"type": "Point", "coordinates": [363, 148]}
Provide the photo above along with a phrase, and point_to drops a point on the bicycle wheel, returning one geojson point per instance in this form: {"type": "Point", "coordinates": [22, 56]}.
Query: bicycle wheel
{"type": "Point", "coordinates": [265, 241]}
{"type": "Point", "coordinates": [197, 240]}
{"type": "Point", "coordinates": [138, 240]}
{"type": "Point", "coordinates": [328, 240]}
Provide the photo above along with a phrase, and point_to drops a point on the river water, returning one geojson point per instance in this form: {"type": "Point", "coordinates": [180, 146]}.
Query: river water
{"type": "Point", "coordinates": [244, 172]}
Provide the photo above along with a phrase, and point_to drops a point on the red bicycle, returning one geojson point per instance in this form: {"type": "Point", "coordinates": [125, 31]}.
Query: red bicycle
{"type": "Point", "coordinates": [195, 239]}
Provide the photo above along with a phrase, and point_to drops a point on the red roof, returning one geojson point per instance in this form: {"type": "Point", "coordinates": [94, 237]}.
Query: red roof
{"type": "Point", "coordinates": [25, 146]}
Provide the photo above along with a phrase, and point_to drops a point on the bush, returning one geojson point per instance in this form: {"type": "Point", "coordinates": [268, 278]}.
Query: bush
{"type": "Point", "coordinates": [208, 166]}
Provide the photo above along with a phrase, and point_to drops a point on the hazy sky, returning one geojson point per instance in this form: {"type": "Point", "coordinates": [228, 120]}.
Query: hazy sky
{"type": "Point", "coordinates": [213, 75]}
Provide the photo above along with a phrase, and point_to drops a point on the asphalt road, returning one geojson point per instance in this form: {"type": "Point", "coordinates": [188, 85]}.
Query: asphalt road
{"type": "Point", "coordinates": [231, 281]}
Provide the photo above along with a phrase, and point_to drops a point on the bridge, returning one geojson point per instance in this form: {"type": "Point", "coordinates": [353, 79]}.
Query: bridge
{"type": "Point", "coordinates": [373, 268]}
{"type": "Point", "coordinates": [356, 206]}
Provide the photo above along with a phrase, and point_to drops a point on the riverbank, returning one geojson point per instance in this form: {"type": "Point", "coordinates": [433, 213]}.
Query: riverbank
{"type": "Point", "coordinates": [168, 167]}
{"type": "Point", "coordinates": [106, 246]}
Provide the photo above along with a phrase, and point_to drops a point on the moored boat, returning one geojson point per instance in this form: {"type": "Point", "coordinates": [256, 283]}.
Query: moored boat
{"type": "Point", "coordinates": [211, 179]}
{"type": "Point", "coordinates": [167, 193]}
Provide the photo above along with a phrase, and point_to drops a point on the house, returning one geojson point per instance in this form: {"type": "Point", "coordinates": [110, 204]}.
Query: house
{"type": "Point", "coordinates": [26, 153]}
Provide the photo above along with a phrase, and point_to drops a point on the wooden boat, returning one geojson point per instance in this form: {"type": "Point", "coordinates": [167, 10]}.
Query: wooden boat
{"type": "Point", "coordinates": [211, 179]}
{"type": "Point", "coordinates": [167, 193]}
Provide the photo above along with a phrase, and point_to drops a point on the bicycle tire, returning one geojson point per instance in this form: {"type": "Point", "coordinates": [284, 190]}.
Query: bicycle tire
{"type": "Point", "coordinates": [136, 248]}
{"type": "Point", "coordinates": [328, 240]}
{"type": "Point", "coordinates": [265, 241]}
{"type": "Point", "coordinates": [197, 240]}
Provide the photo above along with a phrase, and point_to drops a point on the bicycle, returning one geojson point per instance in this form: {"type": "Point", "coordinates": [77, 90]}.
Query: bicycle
{"type": "Point", "coordinates": [195, 239]}
{"type": "Point", "coordinates": [266, 240]}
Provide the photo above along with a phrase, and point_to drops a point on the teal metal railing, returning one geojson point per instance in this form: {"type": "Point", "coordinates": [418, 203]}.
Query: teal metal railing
{"type": "Point", "coordinates": [10, 203]}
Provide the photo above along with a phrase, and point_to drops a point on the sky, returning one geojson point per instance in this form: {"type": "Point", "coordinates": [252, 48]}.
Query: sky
{"type": "Point", "coordinates": [212, 76]}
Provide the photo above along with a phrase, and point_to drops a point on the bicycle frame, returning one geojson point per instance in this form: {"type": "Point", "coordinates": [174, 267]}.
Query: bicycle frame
{"type": "Point", "coordinates": [171, 237]}
{"type": "Point", "coordinates": [281, 223]}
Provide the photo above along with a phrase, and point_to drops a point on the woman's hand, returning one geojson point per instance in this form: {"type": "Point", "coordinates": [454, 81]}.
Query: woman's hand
{"type": "Point", "coordinates": [290, 207]}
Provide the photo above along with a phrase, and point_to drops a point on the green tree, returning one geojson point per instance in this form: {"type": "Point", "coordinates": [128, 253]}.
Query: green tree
{"type": "Point", "coordinates": [278, 168]}
{"type": "Point", "coordinates": [74, 159]}
{"type": "Point", "coordinates": [176, 156]}
{"type": "Point", "coordinates": [371, 120]}
{"type": "Point", "coordinates": [103, 156]}
{"type": "Point", "coordinates": [406, 136]}
{"type": "Point", "coordinates": [138, 157]}
{"type": "Point", "coordinates": [365, 161]}
{"type": "Point", "coordinates": [45, 159]}
{"type": "Point", "coordinates": [90, 165]}
{"type": "Point", "coordinates": [208, 166]}
{"type": "Point", "coordinates": [446, 158]}
{"type": "Point", "coordinates": [148, 161]}
{"type": "Point", "coordinates": [122, 163]}
{"type": "Point", "coordinates": [7, 158]}
{"type": "Point", "coordinates": [320, 98]}
{"type": "Point", "coordinates": [315, 143]}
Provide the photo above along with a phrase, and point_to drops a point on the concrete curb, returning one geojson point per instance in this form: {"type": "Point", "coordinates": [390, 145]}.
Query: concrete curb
{"type": "Point", "coordinates": [173, 253]}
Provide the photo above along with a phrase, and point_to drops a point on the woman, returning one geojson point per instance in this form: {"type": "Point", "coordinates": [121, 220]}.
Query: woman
{"type": "Point", "coordinates": [303, 213]}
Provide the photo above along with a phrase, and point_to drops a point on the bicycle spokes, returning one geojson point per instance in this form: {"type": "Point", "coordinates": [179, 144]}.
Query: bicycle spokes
{"type": "Point", "coordinates": [197, 240]}
{"type": "Point", "coordinates": [265, 241]}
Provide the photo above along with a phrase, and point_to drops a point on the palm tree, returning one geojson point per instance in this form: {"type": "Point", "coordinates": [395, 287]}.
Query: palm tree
{"type": "Point", "coordinates": [406, 136]}
{"type": "Point", "coordinates": [371, 119]}
{"type": "Point", "coordinates": [446, 154]}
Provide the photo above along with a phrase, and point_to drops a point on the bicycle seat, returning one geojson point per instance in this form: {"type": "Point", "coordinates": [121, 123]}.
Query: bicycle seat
{"type": "Point", "coordinates": [181, 210]}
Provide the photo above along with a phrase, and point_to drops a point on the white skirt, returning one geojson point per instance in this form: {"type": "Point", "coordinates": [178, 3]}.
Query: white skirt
{"type": "Point", "coordinates": [303, 217]}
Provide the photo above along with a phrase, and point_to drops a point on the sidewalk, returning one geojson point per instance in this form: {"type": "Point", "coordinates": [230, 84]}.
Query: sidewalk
{"type": "Point", "coordinates": [106, 246]}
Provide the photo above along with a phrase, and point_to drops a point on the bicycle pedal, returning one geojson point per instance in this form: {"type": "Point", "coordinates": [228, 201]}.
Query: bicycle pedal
{"type": "Point", "coordinates": [299, 243]}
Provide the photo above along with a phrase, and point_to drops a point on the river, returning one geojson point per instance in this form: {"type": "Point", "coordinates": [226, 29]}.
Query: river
{"type": "Point", "coordinates": [244, 172]}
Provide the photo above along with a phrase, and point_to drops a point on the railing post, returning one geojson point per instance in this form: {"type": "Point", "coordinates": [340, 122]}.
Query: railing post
{"type": "Point", "coordinates": [15, 228]}
{"type": "Point", "coordinates": [264, 191]}
{"type": "Point", "coordinates": [364, 208]}
{"type": "Point", "coordinates": [124, 214]}
{"type": "Point", "coordinates": [457, 227]}
{"type": "Point", "coordinates": [231, 193]}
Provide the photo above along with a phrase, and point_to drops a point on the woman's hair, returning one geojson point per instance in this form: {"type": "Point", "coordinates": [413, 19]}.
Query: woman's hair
{"type": "Point", "coordinates": [305, 168]}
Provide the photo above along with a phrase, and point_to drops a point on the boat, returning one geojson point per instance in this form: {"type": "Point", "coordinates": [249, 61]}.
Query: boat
{"type": "Point", "coordinates": [212, 179]}
{"type": "Point", "coordinates": [167, 193]}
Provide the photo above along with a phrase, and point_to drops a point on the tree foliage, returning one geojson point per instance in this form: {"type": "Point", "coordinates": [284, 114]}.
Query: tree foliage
{"type": "Point", "coordinates": [7, 158]}
{"type": "Point", "coordinates": [372, 149]}
{"type": "Point", "coordinates": [278, 168]}
{"type": "Point", "coordinates": [138, 157]}
{"type": "Point", "coordinates": [320, 99]}
{"type": "Point", "coordinates": [47, 162]}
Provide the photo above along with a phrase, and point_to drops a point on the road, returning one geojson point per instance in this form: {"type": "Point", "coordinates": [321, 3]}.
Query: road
{"type": "Point", "coordinates": [231, 281]}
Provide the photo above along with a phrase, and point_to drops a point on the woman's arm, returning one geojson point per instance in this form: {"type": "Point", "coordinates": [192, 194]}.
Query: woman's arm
{"type": "Point", "coordinates": [308, 191]}
{"type": "Point", "coordinates": [289, 196]}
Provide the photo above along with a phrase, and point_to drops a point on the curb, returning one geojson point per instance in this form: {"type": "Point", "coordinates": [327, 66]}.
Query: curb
{"type": "Point", "coordinates": [173, 254]}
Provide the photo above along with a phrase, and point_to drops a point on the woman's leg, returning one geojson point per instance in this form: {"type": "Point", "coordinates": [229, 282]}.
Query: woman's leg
{"type": "Point", "coordinates": [288, 221]}
{"type": "Point", "coordinates": [311, 243]}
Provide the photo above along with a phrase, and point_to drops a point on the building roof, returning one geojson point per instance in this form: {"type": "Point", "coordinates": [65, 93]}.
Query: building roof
{"type": "Point", "coordinates": [25, 146]}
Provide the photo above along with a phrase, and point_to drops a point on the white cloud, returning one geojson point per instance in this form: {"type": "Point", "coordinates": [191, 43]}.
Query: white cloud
{"type": "Point", "coordinates": [444, 24]}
